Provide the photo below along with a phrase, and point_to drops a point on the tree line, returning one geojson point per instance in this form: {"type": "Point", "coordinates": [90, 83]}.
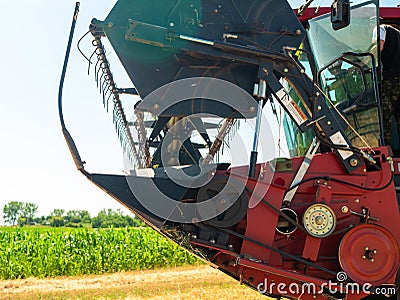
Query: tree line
{"type": "Point", "coordinates": [25, 213]}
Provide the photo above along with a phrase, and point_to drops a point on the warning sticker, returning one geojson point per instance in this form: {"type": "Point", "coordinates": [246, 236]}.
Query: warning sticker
{"type": "Point", "coordinates": [338, 139]}
{"type": "Point", "coordinates": [292, 108]}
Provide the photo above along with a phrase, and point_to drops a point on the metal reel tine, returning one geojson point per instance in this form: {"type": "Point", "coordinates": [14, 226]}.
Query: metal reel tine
{"type": "Point", "coordinates": [97, 69]}
{"type": "Point", "coordinates": [107, 87]}
{"type": "Point", "coordinates": [97, 76]}
{"type": "Point", "coordinates": [90, 61]}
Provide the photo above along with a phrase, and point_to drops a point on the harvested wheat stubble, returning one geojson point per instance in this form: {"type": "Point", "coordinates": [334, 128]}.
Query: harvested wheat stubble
{"type": "Point", "coordinates": [178, 283]}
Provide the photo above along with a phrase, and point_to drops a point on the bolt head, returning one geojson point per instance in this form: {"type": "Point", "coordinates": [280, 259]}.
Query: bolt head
{"type": "Point", "coordinates": [353, 162]}
{"type": "Point", "coordinates": [319, 220]}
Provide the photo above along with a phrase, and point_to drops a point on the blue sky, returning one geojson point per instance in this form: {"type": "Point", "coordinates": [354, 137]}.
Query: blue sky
{"type": "Point", "coordinates": [35, 165]}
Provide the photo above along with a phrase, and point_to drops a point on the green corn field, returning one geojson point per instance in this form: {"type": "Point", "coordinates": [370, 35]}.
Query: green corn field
{"type": "Point", "coordinates": [48, 252]}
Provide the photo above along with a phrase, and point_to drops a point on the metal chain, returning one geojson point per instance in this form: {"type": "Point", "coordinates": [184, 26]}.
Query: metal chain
{"type": "Point", "coordinates": [219, 140]}
{"type": "Point", "coordinates": [144, 152]}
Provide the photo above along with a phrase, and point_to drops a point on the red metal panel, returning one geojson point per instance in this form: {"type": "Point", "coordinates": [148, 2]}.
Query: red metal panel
{"type": "Point", "coordinates": [261, 224]}
{"type": "Point", "coordinates": [312, 12]}
{"type": "Point", "coordinates": [311, 248]}
{"type": "Point", "coordinates": [392, 13]}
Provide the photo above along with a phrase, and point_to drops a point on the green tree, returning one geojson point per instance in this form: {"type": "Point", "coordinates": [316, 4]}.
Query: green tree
{"type": "Point", "coordinates": [29, 210]}
{"type": "Point", "coordinates": [137, 222]}
{"type": "Point", "coordinates": [12, 211]}
{"type": "Point", "coordinates": [56, 218]}
{"type": "Point", "coordinates": [109, 218]}
{"type": "Point", "coordinates": [99, 219]}
{"type": "Point", "coordinates": [56, 221]}
{"type": "Point", "coordinates": [57, 212]}
{"type": "Point", "coordinates": [22, 221]}
{"type": "Point", "coordinates": [85, 217]}
{"type": "Point", "coordinates": [77, 218]}
{"type": "Point", "coordinates": [134, 221]}
{"type": "Point", "coordinates": [73, 216]}
{"type": "Point", "coordinates": [20, 212]}
{"type": "Point", "coordinates": [41, 220]}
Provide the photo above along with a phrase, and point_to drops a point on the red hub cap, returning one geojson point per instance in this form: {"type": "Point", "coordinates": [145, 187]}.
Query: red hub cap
{"type": "Point", "coordinates": [369, 254]}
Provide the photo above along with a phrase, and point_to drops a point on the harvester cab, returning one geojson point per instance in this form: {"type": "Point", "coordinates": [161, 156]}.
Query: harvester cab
{"type": "Point", "coordinates": [322, 221]}
{"type": "Point", "coordinates": [347, 73]}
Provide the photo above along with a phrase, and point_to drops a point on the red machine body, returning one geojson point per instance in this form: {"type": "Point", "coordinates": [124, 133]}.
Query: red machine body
{"type": "Point", "coordinates": [388, 14]}
{"type": "Point", "coordinates": [317, 225]}
{"type": "Point", "coordinates": [366, 218]}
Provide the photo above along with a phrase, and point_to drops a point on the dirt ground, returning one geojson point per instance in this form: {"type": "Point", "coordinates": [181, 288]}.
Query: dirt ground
{"type": "Point", "coordinates": [180, 283]}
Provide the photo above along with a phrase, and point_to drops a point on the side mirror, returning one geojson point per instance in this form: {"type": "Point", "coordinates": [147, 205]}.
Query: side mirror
{"type": "Point", "coordinates": [340, 14]}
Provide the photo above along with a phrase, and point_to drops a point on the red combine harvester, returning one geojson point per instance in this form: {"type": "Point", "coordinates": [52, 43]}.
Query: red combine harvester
{"type": "Point", "coordinates": [321, 223]}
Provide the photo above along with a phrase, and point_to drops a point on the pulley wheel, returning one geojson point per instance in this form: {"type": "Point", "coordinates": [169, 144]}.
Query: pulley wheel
{"type": "Point", "coordinates": [228, 199]}
{"type": "Point", "coordinates": [284, 226]}
{"type": "Point", "coordinates": [369, 253]}
{"type": "Point", "coordinates": [319, 220]}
